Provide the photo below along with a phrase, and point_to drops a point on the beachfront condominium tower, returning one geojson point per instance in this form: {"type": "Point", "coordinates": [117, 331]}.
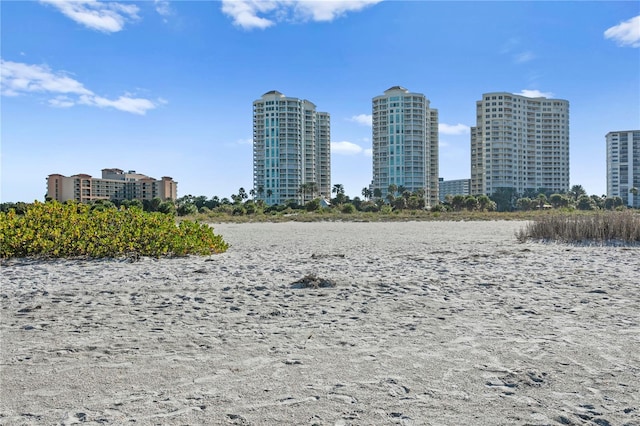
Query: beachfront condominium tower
{"type": "Point", "coordinates": [405, 144]}
{"type": "Point", "coordinates": [291, 150]}
{"type": "Point", "coordinates": [623, 166]}
{"type": "Point", "coordinates": [520, 143]}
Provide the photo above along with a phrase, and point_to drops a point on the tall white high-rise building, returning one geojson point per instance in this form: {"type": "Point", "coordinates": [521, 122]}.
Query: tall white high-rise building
{"type": "Point", "coordinates": [520, 143]}
{"type": "Point", "coordinates": [623, 166]}
{"type": "Point", "coordinates": [291, 150]}
{"type": "Point", "coordinates": [405, 143]}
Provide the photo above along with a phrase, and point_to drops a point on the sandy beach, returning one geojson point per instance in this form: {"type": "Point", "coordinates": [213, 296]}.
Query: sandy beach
{"type": "Point", "coordinates": [429, 323]}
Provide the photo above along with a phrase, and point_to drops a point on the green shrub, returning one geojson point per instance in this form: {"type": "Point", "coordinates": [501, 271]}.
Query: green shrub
{"type": "Point", "coordinates": [224, 209]}
{"type": "Point", "coordinates": [585, 203]}
{"type": "Point", "coordinates": [313, 205]}
{"type": "Point", "coordinates": [438, 208]}
{"type": "Point", "coordinates": [167, 207]}
{"type": "Point", "coordinates": [251, 208]}
{"type": "Point", "coordinates": [185, 209]}
{"type": "Point", "coordinates": [369, 206]}
{"type": "Point", "coordinates": [71, 230]}
{"type": "Point", "coordinates": [348, 208]}
{"type": "Point", "coordinates": [386, 209]}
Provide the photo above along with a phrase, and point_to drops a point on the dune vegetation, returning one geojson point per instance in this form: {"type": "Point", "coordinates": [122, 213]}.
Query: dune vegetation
{"type": "Point", "coordinates": [76, 230]}
{"type": "Point", "coordinates": [601, 227]}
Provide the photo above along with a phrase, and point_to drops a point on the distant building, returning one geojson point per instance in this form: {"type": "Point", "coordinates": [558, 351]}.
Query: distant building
{"type": "Point", "coordinates": [405, 143]}
{"type": "Point", "coordinates": [115, 185]}
{"type": "Point", "coordinates": [623, 166]}
{"type": "Point", "coordinates": [291, 150]}
{"type": "Point", "coordinates": [453, 187]}
{"type": "Point", "coordinates": [520, 143]}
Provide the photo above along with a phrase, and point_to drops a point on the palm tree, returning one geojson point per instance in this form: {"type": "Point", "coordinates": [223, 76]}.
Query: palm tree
{"type": "Point", "coordinates": [338, 189]}
{"type": "Point", "coordinates": [213, 202]}
{"type": "Point", "coordinates": [471, 202]}
{"type": "Point", "coordinates": [542, 200]}
{"type": "Point", "coordinates": [252, 192]}
{"type": "Point", "coordinates": [634, 193]}
{"type": "Point", "coordinates": [366, 193]}
{"type": "Point", "coordinates": [200, 201]}
{"type": "Point", "coordinates": [457, 202]}
{"type": "Point", "coordinates": [308, 188]}
{"type": "Point", "coordinates": [377, 193]}
{"type": "Point", "coordinates": [242, 194]}
{"type": "Point", "coordinates": [303, 191]}
{"type": "Point", "coordinates": [390, 197]}
{"type": "Point", "coordinates": [485, 202]}
{"type": "Point", "coordinates": [576, 192]}
{"type": "Point", "coordinates": [269, 193]}
{"type": "Point", "coordinates": [313, 189]}
{"type": "Point", "coordinates": [393, 188]}
{"type": "Point", "coordinates": [400, 203]}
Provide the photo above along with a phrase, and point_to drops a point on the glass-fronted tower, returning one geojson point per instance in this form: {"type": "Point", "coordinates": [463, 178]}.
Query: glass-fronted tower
{"type": "Point", "coordinates": [405, 143]}
{"type": "Point", "coordinates": [623, 166]}
{"type": "Point", "coordinates": [291, 150]}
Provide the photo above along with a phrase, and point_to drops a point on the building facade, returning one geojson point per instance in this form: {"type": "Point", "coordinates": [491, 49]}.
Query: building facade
{"type": "Point", "coordinates": [291, 150]}
{"type": "Point", "coordinates": [623, 166]}
{"type": "Point", "coordinates": [405, 143]}
{"type": "Point", "coordinates": [115, 185]}
{"type": "Point", "coordinates": [453, 187]}
{"type": "Point", "coordinates": [520, 143]}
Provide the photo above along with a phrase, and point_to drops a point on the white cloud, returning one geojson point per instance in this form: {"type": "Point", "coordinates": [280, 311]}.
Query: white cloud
{"type": "Point", "coordinates": [523, 57]}
{"type": "Point", "coordinates": [364, 119]}
{"type": "Point", "coordinates": [163, 7]}
{"type": "Point", "coordinates": [626, 33]}
{"type": "Point", "coordinates": [368, 152]}
{"type": "Point", "coordinates": [453, 129]}
{"type": "Point", "coordinates": [247, 141]}
{"type": "Point", "coordinates": [329, 10]}
{"type": "Point", "coordinates": [20, 79]}
{"type": "Point", "coordinates": [512, 48]}
{"type": "Point", "coordinates": [245, 12]}
{"type": "Point", "coordinates": [123, 103]}
{"type": "Point", "coordinates": [61, 102]}
{"type": "Point", "coordinates": [535, 94]}
{"type": "Point", "coordinates": [346, 148]}
{"type": "Point", "coordinates": [107, 17]}
{"type": "Point", "coordinates": [250, 14]}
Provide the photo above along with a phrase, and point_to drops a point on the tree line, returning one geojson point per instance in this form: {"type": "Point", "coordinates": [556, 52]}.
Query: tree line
{"type": "Point", "coordinates": [398, 198]}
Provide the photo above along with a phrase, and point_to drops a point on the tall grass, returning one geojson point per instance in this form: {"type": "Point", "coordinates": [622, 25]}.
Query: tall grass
{"type": "Point", "coordinates": [609, 227]}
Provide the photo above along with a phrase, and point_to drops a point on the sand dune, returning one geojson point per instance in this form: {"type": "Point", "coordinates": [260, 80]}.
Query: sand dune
{"type": "Point", "coordinates": [430, 323]}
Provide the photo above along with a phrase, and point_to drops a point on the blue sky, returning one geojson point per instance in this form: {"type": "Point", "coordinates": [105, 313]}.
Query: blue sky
{"type": "Point", "coordinates": [166, 87]}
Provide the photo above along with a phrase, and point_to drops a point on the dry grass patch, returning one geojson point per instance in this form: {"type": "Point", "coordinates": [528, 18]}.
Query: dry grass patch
{"type": "Point", "coordinates": [604, 228]}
